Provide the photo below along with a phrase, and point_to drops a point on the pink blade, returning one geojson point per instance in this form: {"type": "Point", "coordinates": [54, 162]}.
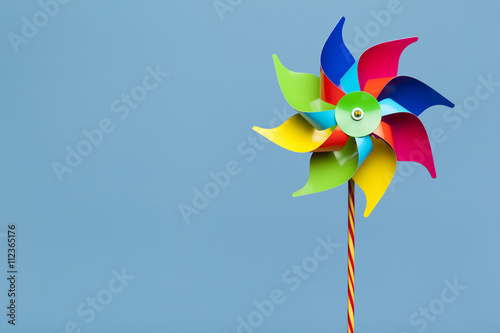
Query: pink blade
{"type": "Point", "coordinates": [381, 60]}
{"type": "Point", "coordinates": [411, 142]}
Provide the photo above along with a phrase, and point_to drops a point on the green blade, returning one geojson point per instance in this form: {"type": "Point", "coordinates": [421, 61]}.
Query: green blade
{"type": "Point", "coordinates": [301, 90]}
{"type": "Point", "coordinates": [329, 170]}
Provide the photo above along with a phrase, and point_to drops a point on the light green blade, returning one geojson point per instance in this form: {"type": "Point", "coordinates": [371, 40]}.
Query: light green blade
{"type": "Point", "coordinates": [301, 90]}
{"type": "Point", "coordinates": [329, 170]}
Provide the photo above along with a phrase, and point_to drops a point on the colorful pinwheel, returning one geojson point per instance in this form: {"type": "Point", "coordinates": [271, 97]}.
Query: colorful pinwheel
{"type": "Point", "coordinates": [358, 118]}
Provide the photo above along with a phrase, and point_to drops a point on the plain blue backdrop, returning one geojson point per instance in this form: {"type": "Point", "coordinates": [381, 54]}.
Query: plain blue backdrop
{"type": "Point", "coordinates": [69, 67]}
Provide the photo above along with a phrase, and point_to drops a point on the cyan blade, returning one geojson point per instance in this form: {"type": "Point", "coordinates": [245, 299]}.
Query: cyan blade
{"type": "Point", "coordinates": [321, 120]}
{"type": "Point", "coordinates": [388, 107]}
{"type": "Point", "coordinates": [349, 81]}
{"type": "Point", "coordinates": [365, 147]}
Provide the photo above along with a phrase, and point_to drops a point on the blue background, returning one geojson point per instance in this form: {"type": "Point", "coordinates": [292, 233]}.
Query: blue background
{"type": "Point", "coordinates": [120, 207]}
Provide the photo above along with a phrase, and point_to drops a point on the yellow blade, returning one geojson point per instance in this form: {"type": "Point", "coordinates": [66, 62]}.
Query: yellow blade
{"type": "Point", "coordinates": [295, 134]}
{"type": "Point", "coordinates": [375, 174]}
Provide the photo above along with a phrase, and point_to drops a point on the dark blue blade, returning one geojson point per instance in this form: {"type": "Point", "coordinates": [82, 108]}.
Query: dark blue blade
{"type": "Point", "coordinates": [412, 94]}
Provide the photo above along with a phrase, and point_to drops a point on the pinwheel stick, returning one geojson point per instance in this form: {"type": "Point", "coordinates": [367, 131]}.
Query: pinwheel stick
{"type": "Point", "coordinates": [350, 264]}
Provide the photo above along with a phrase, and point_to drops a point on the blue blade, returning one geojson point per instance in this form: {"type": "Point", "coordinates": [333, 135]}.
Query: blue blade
{"type": "Point", "coordinates": [412, 94]}
{"type": "Point", "coordinates": [335, 57]}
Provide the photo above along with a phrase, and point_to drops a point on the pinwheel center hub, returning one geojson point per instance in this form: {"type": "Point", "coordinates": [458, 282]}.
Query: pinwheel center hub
{"type": "Point", "coordinates": [358, 114]}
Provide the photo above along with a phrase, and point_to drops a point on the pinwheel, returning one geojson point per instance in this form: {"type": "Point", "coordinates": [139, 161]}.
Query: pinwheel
{"type": "Point", "coordinates": [358, 118]}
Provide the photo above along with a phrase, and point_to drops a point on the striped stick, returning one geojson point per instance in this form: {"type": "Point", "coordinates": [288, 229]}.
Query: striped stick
{"type": "Point", "coordinates": [350, 264]}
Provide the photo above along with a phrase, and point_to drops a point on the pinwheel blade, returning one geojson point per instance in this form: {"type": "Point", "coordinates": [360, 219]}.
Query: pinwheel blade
{"type": "Point", "coordinates": [365, 147]}
{"type": "Point", "coordinates": [381, 60]}
{"type": "Point", "coordinates": [336, 141]}
{"type": "Point", "coordinates": [411, 142]}
{"type": "Point", "coordinates": [335, 57]}
{"type": "Point", "coordinates": [349, 81]}
{"type": "Point", "coordinates": [388, 106]}
{"type": "Point", "coordinates": [321, 120]}
{"type": "Point", "coordinates": [295, 134]}
{"type": "Point", "coordinates": [412, 94]}
{"type": "Point", "coordinates": [375, 174]}
{"type": "Point", "coordinates": [329, 92]}
{"type": "Point", "coordinates": [384, 132]}
{"type": "Point", "coordinates": [375, 86]}
{"type": "Point", "coordinates": [301, 90]}
{"type": "Point", "coordinates": [328, 170]}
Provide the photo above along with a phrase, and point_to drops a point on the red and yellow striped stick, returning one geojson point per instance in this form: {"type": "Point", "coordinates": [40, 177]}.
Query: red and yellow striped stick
{"type": "Point", "coordinates": [350, 264]}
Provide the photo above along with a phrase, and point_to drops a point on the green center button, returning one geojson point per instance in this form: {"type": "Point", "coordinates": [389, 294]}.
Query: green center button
{"type": "Point", "coordinates": [358, 114]}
